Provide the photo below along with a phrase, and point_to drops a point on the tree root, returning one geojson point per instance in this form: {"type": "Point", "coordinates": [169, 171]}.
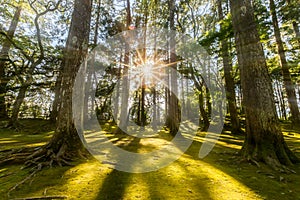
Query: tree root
{"type": "Point", "coordinates": [15, 156]}
{"type": "Point", "coordinates": [24, 180]}
{"type": "Point", "coordinates": [39, 159]}
{"type": "Point", "coordinates": [46, 157]}
{"type": "Point", "coordinates": [272, 163]}
{"type": "Point", "coordinates": [251, 160]}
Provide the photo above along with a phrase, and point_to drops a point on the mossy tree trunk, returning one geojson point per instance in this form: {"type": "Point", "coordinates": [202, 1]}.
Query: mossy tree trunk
{"type": "Point", "coordinates": [66, 144]}
{"type": "Point", "coordinates": [264, 140]}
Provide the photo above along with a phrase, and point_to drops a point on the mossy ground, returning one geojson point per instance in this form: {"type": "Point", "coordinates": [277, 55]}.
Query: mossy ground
{"type": "Point", "coordinates": [220, 175]}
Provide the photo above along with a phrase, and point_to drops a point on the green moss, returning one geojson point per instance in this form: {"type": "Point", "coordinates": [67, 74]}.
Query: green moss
{"type": "Point", "coordinates": [220, 175]}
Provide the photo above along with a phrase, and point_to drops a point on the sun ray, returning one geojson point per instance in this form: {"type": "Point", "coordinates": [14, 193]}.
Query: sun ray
{"type": "Point", "coordinates": [173, 63]}
{"type": "Point", "coordinates": [140, 56]}
{"type": "Point", "coordinates": [126, 65]}
{"type": "Point", "coordinates": [148, 69]}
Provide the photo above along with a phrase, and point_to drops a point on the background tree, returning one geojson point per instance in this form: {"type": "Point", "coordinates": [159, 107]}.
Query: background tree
{"type": "Point", "coordinates": [289, 85]}
{"type": "Point", "coordinates": [3, 59]}
{"type": "Point", "coordinates": [229, 82]}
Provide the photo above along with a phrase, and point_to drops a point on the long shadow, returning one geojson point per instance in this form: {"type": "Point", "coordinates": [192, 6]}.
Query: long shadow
{"type": "Point", "coordinates": [230, 163]}
{"type": "Point", "coordinates": [168, 186]}
{"type": "Point", "coordinates": [115, 183]}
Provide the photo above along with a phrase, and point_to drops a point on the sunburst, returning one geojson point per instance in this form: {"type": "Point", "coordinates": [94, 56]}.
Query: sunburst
{"type": "Point", "coordinates": [148, 70]}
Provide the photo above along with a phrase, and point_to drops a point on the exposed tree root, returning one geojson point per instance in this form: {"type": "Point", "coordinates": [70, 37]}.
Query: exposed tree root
{"type": "Point", "coordinates": [38, 159]}
{"type": "Point", "coordinates": [48, 158]}
{"type": "Point", "coordinates": [15, 156]}
{"type": "Point", "coordinates": [24, 180]}
{"type": "Point", "coordinates": [273, 163]}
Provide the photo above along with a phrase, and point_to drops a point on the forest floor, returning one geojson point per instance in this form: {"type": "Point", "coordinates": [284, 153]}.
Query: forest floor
{"type": "Point", "coordinates": [220, 175]}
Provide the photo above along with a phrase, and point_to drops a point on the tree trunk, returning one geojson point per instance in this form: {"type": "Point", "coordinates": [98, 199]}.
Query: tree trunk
{"type": "Point", "coordinates": [288, 83]}
{"type": "Point", "coordinates": [66, 144]}
{"type": "Point", "coordinates": [264, 140]}
{"type": "Point", "coordinates": [173, 118]}
{"type": "Point", "coordinates": [17, 105]}
{"type": "Point", "coordinates": [57, 92]}
{"type": "Point", "coordinates": [91, 70]}
{"type": "Point", "coordinates": [125, 81]}
{"type": "Point", "coordinates": [281, 99]}
{"type": "Point", "coordinates": [3, 57]}
{"type": "Point", "coordinates": [229, 83]}
{"type": "Point", "coordinates": [203, 113]}
{"type": "Point", "coordinates": [143, 93]}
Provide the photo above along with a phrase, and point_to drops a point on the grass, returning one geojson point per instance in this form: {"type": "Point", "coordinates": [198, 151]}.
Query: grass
{"type": "Point", "coordinates": [220, 175]}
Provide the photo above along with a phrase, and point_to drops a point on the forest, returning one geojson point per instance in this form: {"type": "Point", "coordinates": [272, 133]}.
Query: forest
{"type": "Point", "coordinates": [149, 99]}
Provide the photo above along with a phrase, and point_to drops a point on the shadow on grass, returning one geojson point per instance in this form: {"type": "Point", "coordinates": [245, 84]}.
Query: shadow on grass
{"type": "Point", "coordinates": [33, 133]}
{"type": "Point", "coordinates": [187, 178]}
{"type": "Point", "coordinates": [263, 181]}
{"type": "Point", "coordinates": [115, 183]}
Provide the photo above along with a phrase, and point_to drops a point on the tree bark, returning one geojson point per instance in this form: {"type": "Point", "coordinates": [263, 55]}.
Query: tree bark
{"type": "Point", "coordinates": [125, 81]}
{"type": "Point", "coordinates": [203, 113]}
{"type": "Point", "coordinates": [173, 118]}
{"type": "Point", "coordinates": [229, 83]}
{"type": "Point", "coordinates": [65, 143]}
{"type": "Point", "coordinates": [19, 100]}
{"type": "Point", "coordinates": [205, 116]}
{"type": "Point", "coordinates": [264, 140]}
{"type": "Point", "coordinates": [288, 83]}
{"type": "Point", "coordinates": [57, 92]}
{"type": "Point", "coordinates": [91, 70]}
{"type": "Point", "coordinates": [3, 57]}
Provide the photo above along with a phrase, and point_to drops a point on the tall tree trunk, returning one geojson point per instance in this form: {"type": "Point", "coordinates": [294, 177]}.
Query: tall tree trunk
{"type": "Point", "coordinates": [264, 140]}
{"type": "Point", "coordinates": [288, 83]}
{"type": "Point", "coordinates": [155, 110]}
{"type": "Point", "coordinates": [65, 143]}
{"type": "Point", "coordinates": [125, 80]}
{"type": "Point", "coordinates": [91, 70]}
{"type": "Point", "coordinates": [229, 83]}
{"type": "Point", "coordinates": [173, 118]}
{"type": "Point", "coordinates": [281, 99]}
{"type": "Point", "coordinates": [21, 96]}
{"type": "Point", "coordinates": [3, 57]}
{"type": "Point", "coordinates": [203, 112]}
{"type": "Point", "coordinates": [17, 104]}
{"type": "Point", "coordinates": [143, 93]}
{"type": "Point", "coordinates": [199, 84]}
